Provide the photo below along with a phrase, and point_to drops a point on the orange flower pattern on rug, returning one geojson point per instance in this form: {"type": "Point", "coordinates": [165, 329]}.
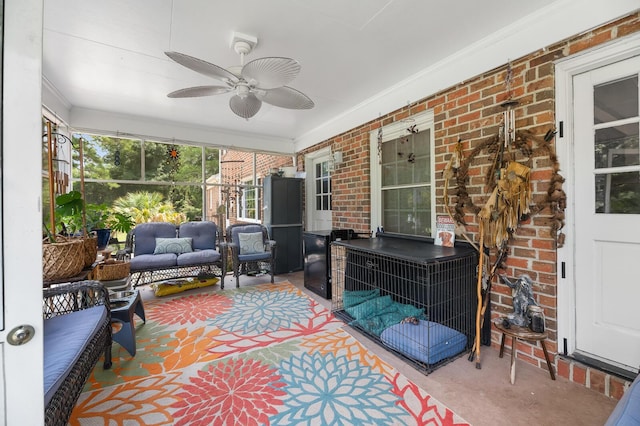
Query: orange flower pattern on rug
{"type": "Point", "coordinates": [263, 355]}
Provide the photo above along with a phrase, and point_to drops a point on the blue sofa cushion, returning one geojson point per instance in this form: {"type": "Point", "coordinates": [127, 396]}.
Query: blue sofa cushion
{"type": "Point", "coordinates": [145, 262]}
{"type": "Point", "coordinates": [627, 411]}
{"type": "Point", "coordinates": [428, 341]}
{"type": "Point", "coordinates": [199, 257]}
{"type": "Point", "coordinates": [146, 234]}
{"type": "Point", "coordinates": [204, 234]}
{"type": "Point", "coordinates": [65, 337]}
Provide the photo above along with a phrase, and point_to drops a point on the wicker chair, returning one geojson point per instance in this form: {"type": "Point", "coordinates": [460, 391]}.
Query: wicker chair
{"type": "Point", "coordinates": [77, 317]}
{"type": "Point", "coordinates": [250, 249]}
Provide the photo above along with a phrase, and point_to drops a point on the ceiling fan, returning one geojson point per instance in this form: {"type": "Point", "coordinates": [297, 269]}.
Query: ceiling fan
{"type": "Point", "coordinates": [260, 80]}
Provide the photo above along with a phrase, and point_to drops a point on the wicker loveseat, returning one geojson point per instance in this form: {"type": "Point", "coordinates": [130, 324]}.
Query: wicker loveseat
{"type": "Point", "coordinates": [162, 250]}
{"type": "Point", "coordinates": [77, 331]}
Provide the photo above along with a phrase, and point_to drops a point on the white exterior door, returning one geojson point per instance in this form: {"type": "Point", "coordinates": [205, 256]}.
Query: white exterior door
{"type": "Point", "coordinates": [318, 190]}
{"type": "Point", "coordinates": [606, 162]}
{"type": "Point", "coordinates": [21, 375]}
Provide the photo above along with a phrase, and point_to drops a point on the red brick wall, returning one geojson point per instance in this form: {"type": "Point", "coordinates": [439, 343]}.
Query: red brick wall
{"type": "Point", "coordinates": [471, 112]}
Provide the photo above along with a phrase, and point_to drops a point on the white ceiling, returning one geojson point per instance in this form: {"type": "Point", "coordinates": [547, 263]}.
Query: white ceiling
{"type": "Point", "coordinates": [108, 56]}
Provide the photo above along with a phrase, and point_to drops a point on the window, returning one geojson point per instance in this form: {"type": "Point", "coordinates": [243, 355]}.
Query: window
{"type": "Point", "coordinates": [323, 186]}
{"type": "Point", "coordinates": [154, 181]}
{"type": "Point", "coordinates": [251, 200]}
{"type": "Point", "coordinates": [402, 175]}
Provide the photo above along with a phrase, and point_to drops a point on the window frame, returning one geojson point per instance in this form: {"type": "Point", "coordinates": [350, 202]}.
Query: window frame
{"type": "Point", "coordinates": [423, 121]}
{"type": "Point", "coordinates": [247, 186]}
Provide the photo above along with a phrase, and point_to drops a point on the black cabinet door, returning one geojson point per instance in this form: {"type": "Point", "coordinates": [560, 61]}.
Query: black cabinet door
{"type": "Point", "coordinates": [288, 249]}
{"type": "Point", "coordinates": [282, 201]}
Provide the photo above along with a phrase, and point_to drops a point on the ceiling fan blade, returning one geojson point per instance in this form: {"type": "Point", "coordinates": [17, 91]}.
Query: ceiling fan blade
{"type": "Point", "coordinates": [245, 107]}
{"type": "Point", "coordinates": [203, 67]}
{"type": "Point", "coordinates": [195, 92]}
{"type": "Point", "coordinates": [287, 97]}
{"type": "Point", "coordinates": [270, 72]}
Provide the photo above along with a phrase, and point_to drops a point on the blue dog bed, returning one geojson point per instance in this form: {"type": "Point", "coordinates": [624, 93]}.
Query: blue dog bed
{"type": "Point", "coordinates": [427, 341]}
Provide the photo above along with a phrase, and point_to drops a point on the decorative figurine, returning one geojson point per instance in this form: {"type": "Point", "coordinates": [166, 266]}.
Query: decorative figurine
{"type": "Point", "coordinates": [522, 293]}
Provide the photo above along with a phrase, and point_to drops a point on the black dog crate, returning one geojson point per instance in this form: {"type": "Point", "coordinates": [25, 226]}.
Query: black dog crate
{"type": "Point", "coordinates": [381, 286]}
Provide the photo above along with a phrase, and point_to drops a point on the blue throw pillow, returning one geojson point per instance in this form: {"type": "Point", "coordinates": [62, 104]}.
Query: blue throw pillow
{"type": "Point", "coordinates": [251, 242]}
{"type": "Point", "coordinates": [173, 245]}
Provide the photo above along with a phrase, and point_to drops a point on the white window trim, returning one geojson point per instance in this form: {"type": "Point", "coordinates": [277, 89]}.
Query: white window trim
{"type": "Point", "coordinates": [423, 121]}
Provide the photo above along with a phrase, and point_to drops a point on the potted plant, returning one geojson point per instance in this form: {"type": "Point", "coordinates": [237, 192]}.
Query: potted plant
{"type": "Point", "coordinates": [64, 256]}
{"type": "Point", "coordinates": [97, 216]}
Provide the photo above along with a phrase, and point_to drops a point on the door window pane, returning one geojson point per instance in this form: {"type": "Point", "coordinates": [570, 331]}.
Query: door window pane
{"type": "Point", "coordinates": [323, 186]}
{"type": "Point", "coordinates": [615, 100]}
{"type": "Point", "coordinates": [617, 146]}
{"type": "Point", "coordinates": [618, 193]}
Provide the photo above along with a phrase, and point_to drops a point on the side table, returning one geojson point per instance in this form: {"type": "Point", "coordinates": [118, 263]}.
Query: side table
{"type": "Point", "coordinates": [123, 306]}
{"type": "Point", "coordinates": [523, 333]}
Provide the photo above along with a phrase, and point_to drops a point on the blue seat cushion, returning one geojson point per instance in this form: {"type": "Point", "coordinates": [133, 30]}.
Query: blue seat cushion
{"type": "Point", "coordinates": [199, 257]}
{"type": "Point", "coordinates": [146, 234]}
{"type": "Point", "coordinates": [144, 262]}
{"type": "Point", "coordinates": [203, 234]}
{"type": "Point", "coordinates": [427, 341]}
{"type": "Point", "coordinates": [627, 411]}
{"type": "Point", "coordinates": [65, 338]}
{"type": "Point", "coordinates": [255, 257]}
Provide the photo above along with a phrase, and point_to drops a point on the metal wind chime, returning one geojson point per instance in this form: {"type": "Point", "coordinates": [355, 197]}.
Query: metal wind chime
{"type": "Point", "coordinates": [231, 188]}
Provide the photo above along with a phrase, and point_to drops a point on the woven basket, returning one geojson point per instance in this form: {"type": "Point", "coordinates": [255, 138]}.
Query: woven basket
{"type": "Point", "coordinates": [62, 259]}
{"type": "Point", "coordinates": [111, 269]}
{"type": "Point", "coordinates": [90, 250]}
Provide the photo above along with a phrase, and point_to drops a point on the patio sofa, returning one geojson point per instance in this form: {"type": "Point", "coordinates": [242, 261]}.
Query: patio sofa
{"type": "Point", "coordinates": [162, 250]}
{"type": "Point", "coordinates": [77, 331]}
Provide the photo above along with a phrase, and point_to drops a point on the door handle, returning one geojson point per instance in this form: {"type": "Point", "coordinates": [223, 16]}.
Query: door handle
{"type": "Point", "coordinates": [20, 335]}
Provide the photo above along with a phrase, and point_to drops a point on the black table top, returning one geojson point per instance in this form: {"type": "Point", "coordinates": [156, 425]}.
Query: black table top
{"type": "Point", "coordinates": [418, 251]}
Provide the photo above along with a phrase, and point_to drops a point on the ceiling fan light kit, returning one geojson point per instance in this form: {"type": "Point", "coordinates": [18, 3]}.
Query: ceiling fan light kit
{"type": "Point", "coordinates": [260, 80]}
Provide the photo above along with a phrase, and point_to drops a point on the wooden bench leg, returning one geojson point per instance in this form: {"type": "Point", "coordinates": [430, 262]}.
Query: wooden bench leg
{"type": "Point", "coordinates": [546, 357]}
{"type": "Point", "coordinates": [512, 372]}
{"type": "Point", "coordinates": [502, 346]}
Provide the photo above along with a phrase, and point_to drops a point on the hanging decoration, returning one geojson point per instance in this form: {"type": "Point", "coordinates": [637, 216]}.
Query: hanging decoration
{"type": "Point", "coordinates": [173, 157]}
{"type": "Point", "coordinates": [507, 181]}
{"type": "Point", "coordinates": [59, 170]}
{"type": "Point", "coordinates": [380, 144]}
{"type": "Point", "coordinates": [231, 189]}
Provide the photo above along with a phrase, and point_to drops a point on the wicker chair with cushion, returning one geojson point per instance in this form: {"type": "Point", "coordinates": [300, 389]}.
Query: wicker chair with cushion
{"type": "Point", "coordinates": [250, 249]}
{"type": "Point", "coordinates": [77, 332]}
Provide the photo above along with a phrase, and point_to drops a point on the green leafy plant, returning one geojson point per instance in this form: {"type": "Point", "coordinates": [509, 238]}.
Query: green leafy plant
{"type": "Point", "coordinates": [97, 216]}
{"type": "Point", "coordinates": [69, 212]}
{"type": "Point", "coordinates": [121, 222]}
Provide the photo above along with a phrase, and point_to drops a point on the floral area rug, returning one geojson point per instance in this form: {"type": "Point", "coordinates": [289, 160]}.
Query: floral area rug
{"type": "Point", "coordinates": [261, 355]}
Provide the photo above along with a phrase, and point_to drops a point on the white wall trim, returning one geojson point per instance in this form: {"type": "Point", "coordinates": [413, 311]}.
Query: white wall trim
{"type": "Point", "coordinates": [566, 69]}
